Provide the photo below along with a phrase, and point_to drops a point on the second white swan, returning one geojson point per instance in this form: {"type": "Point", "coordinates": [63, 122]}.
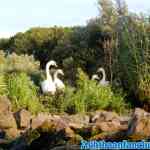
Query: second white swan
{"type": "Point", "coordinates": [58, 83]}
{"type": "Point", "coordinates": [103, 80]}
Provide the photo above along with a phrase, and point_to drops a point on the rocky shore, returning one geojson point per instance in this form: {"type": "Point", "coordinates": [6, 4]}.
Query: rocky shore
{"type": "Point", "coordinates": [23, 131]}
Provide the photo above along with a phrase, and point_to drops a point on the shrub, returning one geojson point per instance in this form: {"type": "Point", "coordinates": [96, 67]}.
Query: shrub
{"type": "Point", "coordinates": [59, 102]}
{"type": "Point", "coordinates": [144, 83]}
{"type": "Point", "coordinates": [18, 63]}
{"type": "Point", "coordinates": [23, 92]}
{"type": "Point", "coordinates": [90, 97]}
{"type": "Point", "coordinates": [3, 85]}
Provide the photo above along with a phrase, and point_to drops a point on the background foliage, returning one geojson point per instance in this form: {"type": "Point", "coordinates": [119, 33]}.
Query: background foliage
{"type": "Point", "coordinates": [117, 40]}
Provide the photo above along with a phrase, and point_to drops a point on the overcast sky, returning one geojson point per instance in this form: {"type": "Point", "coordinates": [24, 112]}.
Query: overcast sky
{"type": "Point", "coordinates": [20, 15]}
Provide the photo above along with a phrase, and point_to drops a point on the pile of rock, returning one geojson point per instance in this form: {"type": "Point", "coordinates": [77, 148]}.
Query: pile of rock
{"type": "Point", "coordinates": [8, 126]}
{"type": "Point", "coordinates": [48, 131]}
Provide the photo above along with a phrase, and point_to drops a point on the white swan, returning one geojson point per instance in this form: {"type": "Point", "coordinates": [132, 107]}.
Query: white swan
{"type": "Point", "coordinates": [58, 83]}
{"type": "Point", "coordinates": [48, 86]}
{"type": "Point", "coordinates": [95, 77]}
{"type": "Point", "coordinates": [103, 80]}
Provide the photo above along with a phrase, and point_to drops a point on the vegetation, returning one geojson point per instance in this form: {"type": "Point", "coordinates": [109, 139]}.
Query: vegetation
{"type": "Point", "coordinates": [90, 97]}
{"type": "Point", "coordinates": [23, 93]}
{"type": "Point", "coordinates": [117, 40]}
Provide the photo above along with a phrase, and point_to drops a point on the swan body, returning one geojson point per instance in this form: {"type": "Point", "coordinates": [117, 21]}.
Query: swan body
{"type": "Point", "coordinates": [48, 86]}
{"type": "Point", "coordinates": [103, 80]}
{"type": "Point", "coordinates": [58, 83]}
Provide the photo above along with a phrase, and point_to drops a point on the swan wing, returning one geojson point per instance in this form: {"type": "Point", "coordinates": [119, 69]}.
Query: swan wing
{"type": "Point", "coordinates": [44, 86]}
{"type": "Point", "coordinates": [48, 86]}
{"type": "Point", "coordinates": [59, 84]}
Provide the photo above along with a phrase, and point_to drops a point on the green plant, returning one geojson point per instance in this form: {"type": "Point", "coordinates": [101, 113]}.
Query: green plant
{"type": "Point", "coordinates": [18, 63]}
{"type": "Point", "coordinates": [23, 93]}
{"type": "Point", "coordinates": [144, 83]}
{"type": "Point", "coordinates": [21, 63]}
{"type": "Point", "coordinates": [90, 97]}
{"type": "Point", "coordinates": [3, 85]}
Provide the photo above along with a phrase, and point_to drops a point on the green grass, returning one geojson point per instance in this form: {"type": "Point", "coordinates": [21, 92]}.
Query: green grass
{"type": "Point", "coordinates": [23, 92]}
{"type": "Point", "coordinates": [89, 96]}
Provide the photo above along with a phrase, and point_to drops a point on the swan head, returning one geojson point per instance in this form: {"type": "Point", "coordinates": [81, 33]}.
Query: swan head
{"type": "Point", "coordinates": [52, 63]}
{"type": "Point", "coordinates": [101, 70]}
{"type": "Point", "coordinates": [95, 77]}
{"type": "Point", "coordinates": [59, 71]}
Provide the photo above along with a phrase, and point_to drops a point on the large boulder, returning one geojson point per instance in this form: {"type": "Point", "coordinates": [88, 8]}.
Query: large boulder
{"type": "Point", "coordinates": [5, 105]}
{"type": "Point", "coordinates": [99, 116]}
{"type": "Point", "coordinates": [108, 126]}
{"type": "Point", "coordinates": [12, 133]}
{"type": "Point", "coordinates": [7, 121]}
{"type": "Point", "coordinates": [104, 121]}
{"type": "Point", "coordinates": [78, 121]}
{"type": "Point", "coordinates": [8, 124]}
{"type": "Point", "coordinates": [38, 120]}
{"type": "Point", "coordinates": [23, 118]}
{"type": "Point", "coordinates": [53, 124]}
{"type": "Point", "coordinates": [139, 124]}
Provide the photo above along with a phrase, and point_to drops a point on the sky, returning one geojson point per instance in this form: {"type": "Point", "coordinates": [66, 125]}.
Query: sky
{"type": "Point", "coordinates": [20, 15]}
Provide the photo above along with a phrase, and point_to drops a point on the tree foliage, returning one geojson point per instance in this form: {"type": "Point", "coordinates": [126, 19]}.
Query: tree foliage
{"type": "Point", "coordinates": [117, 40]}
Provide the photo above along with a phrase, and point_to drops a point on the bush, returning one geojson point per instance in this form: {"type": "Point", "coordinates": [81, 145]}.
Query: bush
{"type": "Point", "coordinates": [23, 93]}
{"type": "Point", "coordinates": [18, 63]}
{"type": "Point", "coordinates": [144, 83]}
{"type": "Point", "coordinates": [90, 97]}
{"type": "Point", "coordinates": [3, 85]}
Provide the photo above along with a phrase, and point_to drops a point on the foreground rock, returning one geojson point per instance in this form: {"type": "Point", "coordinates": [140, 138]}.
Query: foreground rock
{"type": "Point", "coordinates": [67, 147]}
{"type": "Point", "coordinates": [47, 131]}
{"type": "Point", "coordinates": [7, 121]}
{"type": "Point", "coordinates": [5, 105]}
{"type": "Point", "coordinates": [23, 118]}
{"type": "Point", "coordinates": [139, 126]}
{"type": "Point", "coordinates": [38, 120]}
{"type": "Point", "coordinates": [109, 122]}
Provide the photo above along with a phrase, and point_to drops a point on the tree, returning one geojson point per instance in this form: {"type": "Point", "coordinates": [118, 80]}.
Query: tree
{"type": "Point", "coordinates": [122, 8]}
{"type": "Point", "coordinates": [108, 14]}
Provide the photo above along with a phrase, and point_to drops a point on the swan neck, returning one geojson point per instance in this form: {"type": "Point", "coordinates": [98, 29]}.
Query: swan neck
{"type": "Point", "coordinates": [48, 73]}
{"type": "Point", "coordinates": [104, 75]}
{"type": "Point", "coordinates": [56, 75]}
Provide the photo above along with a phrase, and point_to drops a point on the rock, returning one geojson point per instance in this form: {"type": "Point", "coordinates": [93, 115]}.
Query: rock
{"type": "Point", "coordinates": [5, 105]}
{"type": "Point", "coordinates": [11, 133]}
{"type": "Point", "coordinates": [103, 116]}
{"type": "Point", "coordinates": [69, 132]}
{"type": "Point", "coordinates": [72, 136]}
{"type": "Point", "coordinates": [7, 121]}
{"type": "Point", "coordinates": [124, 120]}
{"type": "Point", "coordinates": [108, 126]}
{"type": "Point", "coordinates": [108, 122]}
{"type": "Point", "coordinates": [23, 118]}
{"type": "Point", "coordinates": [53, 124]}
{"type": "Point", "coordinates": [78, 121]}
{"type": "Point", "coordinates": [139, 123]}
{"type": "Point", "coordinates": [110, 136]}
{"type": "Point", "coordinates": [38, 120]}
{"type": "Point", "coordinates": [67, 147]}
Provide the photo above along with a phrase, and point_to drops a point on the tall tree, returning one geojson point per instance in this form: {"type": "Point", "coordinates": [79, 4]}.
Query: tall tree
{"type": "Point", "coordinates": [108, 14]}
{"type": "Point", "coordinates": [108, 20]}
{"type": "Point", "coordinates": [122, 8]}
